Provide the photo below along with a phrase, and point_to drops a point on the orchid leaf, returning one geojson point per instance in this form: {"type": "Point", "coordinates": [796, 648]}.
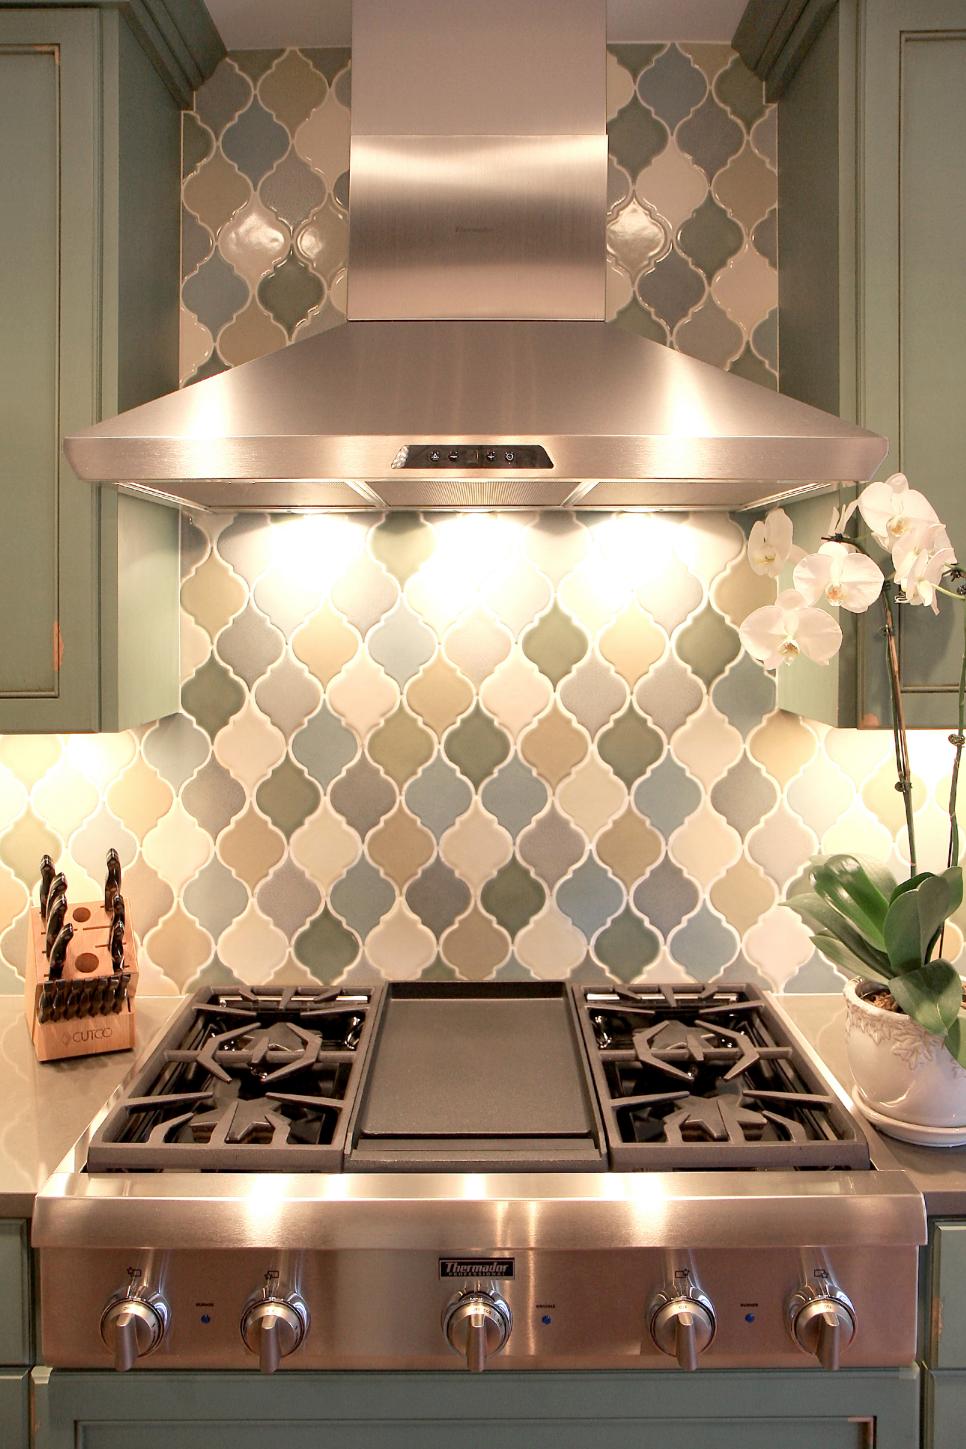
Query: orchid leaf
{"type": "Point", "coordinates": [880, 876]}
{"type": "Point", "coordinates": [845, 883]}
{"type": "Point", "coordinates": [954, 880]}
{"type": "Point", "coordinates": [840, 955]}
{"type": "Point", "coordinates": [912, 884]}
{"type": "Point", "coordinates": [931, 994]}
{"type": "Point", "coordinates": [912, 922]}
{"type": "Point", "coordinates": [824, 919]}
{"type": "Point", "coordinates": [956, 1040]}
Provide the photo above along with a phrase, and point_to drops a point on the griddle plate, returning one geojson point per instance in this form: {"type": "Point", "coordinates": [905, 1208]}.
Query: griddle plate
{"type": "Point", "coordinates": [478, 1067]}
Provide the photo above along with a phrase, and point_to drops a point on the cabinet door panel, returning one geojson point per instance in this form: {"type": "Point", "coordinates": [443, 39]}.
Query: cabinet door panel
{"type": "Point", "coordinates": [14, 1294]}
{"type": "Point", "coordinates": [29, 158]}
{"type": "Point", "coordinates": [946, 1346]}
{"type": "Point", "coordinates": [740, 1410]}
{"type": "Point", "coordinates": [932, 310]}
{"type": "Point", "coordinates": [944, 1410]}
{"type": "Point", "coordinates": [13, 1409]}
{"type": "Point", "coordinates": [49, 311]}
{"type": "Point", "coordinates": [479, 1434]}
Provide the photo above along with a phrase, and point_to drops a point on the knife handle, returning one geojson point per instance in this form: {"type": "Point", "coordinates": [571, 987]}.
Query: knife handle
{"type": "Point", "coordinates": [118, 909]}
{"type": "Point", "coordinates": [47, 874]}
{"type": "Point", "coordinates": [56, 912]}
{"type": "Point", "coordinates": [58, 952]}
{"type": "Point", "coordinates": [112, 883]}
{"type": "Point", "coordinates": [116, 943]}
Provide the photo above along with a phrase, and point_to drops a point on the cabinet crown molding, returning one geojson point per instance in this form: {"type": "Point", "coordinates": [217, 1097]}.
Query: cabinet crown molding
{"type": "Point", "coordinates": [773, 39]}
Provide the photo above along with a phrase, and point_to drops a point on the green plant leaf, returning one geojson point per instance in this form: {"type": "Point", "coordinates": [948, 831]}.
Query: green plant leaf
{"type": "Point", "coordinates": [841, 956]}
{"type": "Point", "coordinates": [913, 920]}
{"type": "Point", "coordinates": [882, 878]}
{"type": "Point", "coordinates": [825, 920]}
{"type": "Point", "coordinates": [935, 904]}
{"type": "Point", "coordinates": [931, 994]}
{"type": "Point", "coordinates": [913, 883]}
{"type": "Point", "coordinates": [902, 932]}
{"type": "Point", "coordinates": [956, 1040]}
{"type": "Point", "coordinates": [845, 883]}
{"type": "Point", "coordinates": [954, 879]}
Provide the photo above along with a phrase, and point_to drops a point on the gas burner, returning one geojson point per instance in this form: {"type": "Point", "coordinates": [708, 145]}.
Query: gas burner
{"type": "Point", "coordinates": [719, 1117]}
{"type": "Point", "coordinates": [674, 1040]}
{"type": "Point", "coordinates": [281, 1045]}
{"type": "Point", "coordinates": [255, 1078]}
{"type": "Point", "coordinates": [747, 1097]}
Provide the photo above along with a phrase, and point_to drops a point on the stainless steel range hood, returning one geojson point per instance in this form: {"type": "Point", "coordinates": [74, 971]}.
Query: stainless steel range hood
{"type": "Point", "coordinates": [476, 369]}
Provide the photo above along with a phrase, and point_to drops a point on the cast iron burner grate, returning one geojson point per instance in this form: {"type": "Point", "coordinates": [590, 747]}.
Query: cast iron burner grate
{"type": "Point", "coordinates": [246, 1079]}
{"type": "Point", "coordinates": [707, 1077]}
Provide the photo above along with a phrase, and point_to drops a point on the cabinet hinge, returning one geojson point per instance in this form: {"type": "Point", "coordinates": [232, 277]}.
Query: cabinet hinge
{"type": "Point", "coordinates": [58, 642]}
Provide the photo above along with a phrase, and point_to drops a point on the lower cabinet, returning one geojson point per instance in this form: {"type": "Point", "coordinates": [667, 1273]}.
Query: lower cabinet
{"type": "Point", "coordinates": [807, 1410]}
{"type": "Point", "coordinates": [14, 1417]}
{"type": "Point", "coordinates": [944, 1410]}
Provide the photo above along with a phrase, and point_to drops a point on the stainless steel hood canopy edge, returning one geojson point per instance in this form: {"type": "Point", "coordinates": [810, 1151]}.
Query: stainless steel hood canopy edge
{"type": "Point", "coordinates": [476, 334]}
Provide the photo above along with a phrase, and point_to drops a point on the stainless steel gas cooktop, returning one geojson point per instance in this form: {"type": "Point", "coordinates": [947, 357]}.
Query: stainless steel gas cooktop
{"type": "Point", "coordinates": [432, 1078]}
{"type": "Point", "coordinates": [534, 1175]}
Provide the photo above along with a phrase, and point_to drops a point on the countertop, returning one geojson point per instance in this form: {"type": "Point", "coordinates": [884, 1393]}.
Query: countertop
{"type": "Point", "coordinates": [938, 1172]}
{"type": "Point", "coordinates": [46, 1106]}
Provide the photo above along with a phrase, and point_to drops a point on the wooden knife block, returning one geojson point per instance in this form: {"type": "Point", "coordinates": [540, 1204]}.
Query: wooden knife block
{"type": "Point", "coordinates": [88, 963]}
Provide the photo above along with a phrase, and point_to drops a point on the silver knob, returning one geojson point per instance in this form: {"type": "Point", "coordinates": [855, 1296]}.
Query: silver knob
{"type": "Point", "coordinates": [822, 1322]}
{"type": "Point", "coordinates": [132, 1326]}
{"type": "Point", "coordinates": [273, 1325]}
{"type": "Point", "coordinates": [682, 1325]}
{"type": "Point", "coordinates": [477, 1325]}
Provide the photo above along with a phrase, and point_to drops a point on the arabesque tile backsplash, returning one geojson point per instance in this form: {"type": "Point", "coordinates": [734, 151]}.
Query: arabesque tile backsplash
{"type": "Point", "coordinates": [465, 745]}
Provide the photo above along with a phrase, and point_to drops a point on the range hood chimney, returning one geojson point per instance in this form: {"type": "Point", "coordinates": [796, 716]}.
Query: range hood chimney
{"type": "Point", "coordinates": [476, 369]}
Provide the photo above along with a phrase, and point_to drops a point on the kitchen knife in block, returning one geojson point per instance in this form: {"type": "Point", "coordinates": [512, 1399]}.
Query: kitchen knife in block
{"type": "Point", "coordinates": [89, 1008]}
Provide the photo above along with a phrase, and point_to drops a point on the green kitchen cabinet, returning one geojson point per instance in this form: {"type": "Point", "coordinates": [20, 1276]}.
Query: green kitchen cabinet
{"type": "Point", "coordinates": [646, 1410]}
{"type": "Point", "coordinates": [944, 1344]}
{"type": "Point", "coordinates": [90, 138]}
{"type": "Point", "coordinates": [944, 1410]}
{"type": "Point", "coordinates": [14, 1414]}
{"type": "Point", "coordinates": [872, 289]}
{"type": "Point", "coordinates": [15, 1336]}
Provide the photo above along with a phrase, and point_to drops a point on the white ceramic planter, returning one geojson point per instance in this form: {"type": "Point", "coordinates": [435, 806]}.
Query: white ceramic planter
{"type": "Point", "coordinates": [903, 1073]}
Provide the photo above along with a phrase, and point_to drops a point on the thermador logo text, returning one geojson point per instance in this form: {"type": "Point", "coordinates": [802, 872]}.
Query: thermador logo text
{"type": "Point", "coordinates": [476, 1267]}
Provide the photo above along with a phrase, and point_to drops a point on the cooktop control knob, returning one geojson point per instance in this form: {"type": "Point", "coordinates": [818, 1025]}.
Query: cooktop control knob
{"type": "Point", "coordinates": [132, 1326]}
{"type": "Point", "coordinates": [273, 1325]}
{"type": "Point", "coordinates": [822, 1321]}
{"type": "Point", "coordinates": [477, 1325]}
{"type": "Point", "coordinates": [682, 1324]}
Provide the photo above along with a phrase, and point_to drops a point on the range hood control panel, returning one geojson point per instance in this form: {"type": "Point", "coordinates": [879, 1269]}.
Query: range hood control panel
{"type": "Point", "coordinates": [486, 456]}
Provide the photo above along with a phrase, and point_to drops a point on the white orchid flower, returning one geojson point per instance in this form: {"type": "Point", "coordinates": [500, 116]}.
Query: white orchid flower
{"type": "Point", "coordinates": [781, 632]}
{"type": "Point", "coordinates": [770, 544]}
{"type": "Point", "coordinates": [920, 567]}
{"type": "Point", "coordinates": [839, 521]}
{"type": "Point", "coordinates": [893, 511]}
{"type": "Point", "coordinates": [841, 575]}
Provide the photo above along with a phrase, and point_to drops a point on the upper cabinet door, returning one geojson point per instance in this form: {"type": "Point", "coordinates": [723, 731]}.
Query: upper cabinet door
{"type": "Point", "coordinates": [48, 372]}
{"type": "Point", "coordinates": [925, 264]}
{"type": "Point", "coordinates": [872, 292]}
{"type": "Point", "coordinates": [90, 151]}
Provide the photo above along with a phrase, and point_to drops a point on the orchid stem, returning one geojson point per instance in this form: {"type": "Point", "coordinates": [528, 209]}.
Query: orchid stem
{"type": "Point", "coordinates": [899, 735]}
{"type": "Point", "coordinates": [957, 741]}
